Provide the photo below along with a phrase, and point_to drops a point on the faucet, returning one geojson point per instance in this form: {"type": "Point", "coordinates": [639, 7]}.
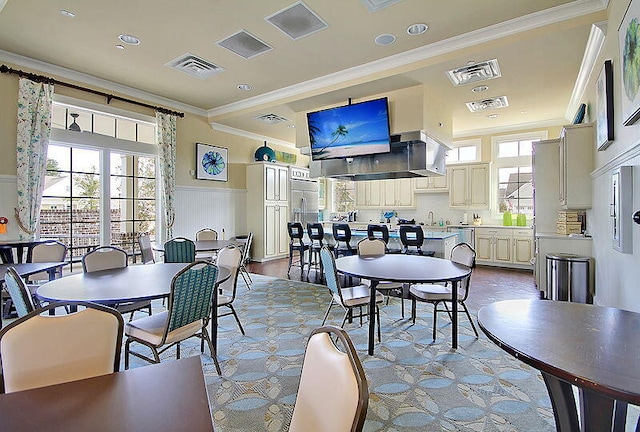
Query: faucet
{"type": "Point", "coordinates": [431, 218]}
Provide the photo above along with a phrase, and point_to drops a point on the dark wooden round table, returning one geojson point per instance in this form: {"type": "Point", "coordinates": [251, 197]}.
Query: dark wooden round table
{"type": "Point", "coordinates": [592, 347]}
{"type": "Point", "coordinates": [405, 269]}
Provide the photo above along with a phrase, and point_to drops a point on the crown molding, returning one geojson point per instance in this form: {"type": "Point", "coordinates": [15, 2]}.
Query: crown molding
{"type": "Point", "coordinates": [239, 132]}
{"type": "Point", "coordinates": [510, 128]}
{"type": "Point", "coordinates": [591, 52]}
{"type": "Point", "coordinates": [70, 74]}
{"type": "Point", "coordinates": [496, 31]}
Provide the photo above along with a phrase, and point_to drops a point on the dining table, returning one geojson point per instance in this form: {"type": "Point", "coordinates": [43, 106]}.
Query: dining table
{"type": "Point", "coordinates": [410, 269]}
{"type": "Point", "coordinates": [208, 245]}
{"type": "Point", "coordinates": [122, 285]}
{"type": "Point", "coordinates": [594, 348]}
{"type": "Point", "coordinates": [168, 396]}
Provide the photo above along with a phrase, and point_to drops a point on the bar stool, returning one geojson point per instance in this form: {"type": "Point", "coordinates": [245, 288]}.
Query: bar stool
{"type": "Point", "coordinates": [382, 232]}
{"type": "Point", "coordinates": [315, 232]}
{"type": "Point", "coordinates": [412, 236]}
{"type": "Point", "coordinates": [342, 236]}
{"type": "Point", "coordinates": [296, 243]}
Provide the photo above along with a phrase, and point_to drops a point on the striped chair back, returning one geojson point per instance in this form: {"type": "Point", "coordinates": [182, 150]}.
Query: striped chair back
{"type": "Point", "coordinates": [19, 292]}
{"type": "Point", "coordinates": [191, 293]}
{"type": "Point", "coordinates": [179, 250]}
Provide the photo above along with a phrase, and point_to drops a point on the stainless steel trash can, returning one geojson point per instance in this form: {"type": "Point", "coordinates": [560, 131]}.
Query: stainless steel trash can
{"type": "Point", "coordinates": [569, 277]}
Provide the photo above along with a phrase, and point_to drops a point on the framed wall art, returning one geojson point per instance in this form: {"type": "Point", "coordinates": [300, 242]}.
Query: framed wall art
{"type": "Point", "coordinates": [629, 45]}
{"type": "Point", "coordinates": [211, 162]}
{"type": "Point", "coordinates": [604, 106]}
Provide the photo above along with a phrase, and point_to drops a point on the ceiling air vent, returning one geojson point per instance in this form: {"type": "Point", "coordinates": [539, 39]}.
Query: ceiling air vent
{"type": "Point", "coordinates": [481, 71]}
{"type": "Point", "coordinates": [195, 66]}
{"type": "Point", "coordinates": [297, 21]}
{"type": "Point", "coordinates": [376, 5]}
{"type": "Point", "coordinates": [484, 104]}
{"type": "Point", "coordinates": [245, 44]}
{"type": "Point", "coordinates": [271, 119]}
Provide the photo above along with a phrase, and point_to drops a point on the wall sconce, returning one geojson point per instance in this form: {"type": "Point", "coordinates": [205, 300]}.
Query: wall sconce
{"type": "Point", "coordinates": [74, 126]}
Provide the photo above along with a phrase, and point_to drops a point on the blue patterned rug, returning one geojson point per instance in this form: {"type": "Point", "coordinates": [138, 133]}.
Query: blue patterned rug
{"type": "Point", "coordinates": [414, 383]}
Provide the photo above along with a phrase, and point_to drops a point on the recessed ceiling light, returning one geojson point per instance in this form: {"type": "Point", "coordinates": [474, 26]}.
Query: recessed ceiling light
{"type": "Point", "coordinates": [417, 29]}
{"type": "Point", "coordinates": [480, 88]}
{"type": "Point", "coordinates": [67, 13]}
{"type": "Point", "coordinates": [385, 39]}
{"type": "Point", "coordinates": [493, 116]}
{"type": "Point", "coordinates": [291, 126]}
{"type": "Point", "coordinates": [244, 87]}
{"type": "Point", "coordinates": [119, 46]}
{"type": "Point", "coordinates": [129, 39]}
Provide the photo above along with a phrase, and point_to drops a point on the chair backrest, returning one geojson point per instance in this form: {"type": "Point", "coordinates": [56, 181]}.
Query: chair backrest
{"type": "Point", "coordinates": [378, 231]}
{"type": "Point", "coordinates": [104, 258]}
{"type": "Point", "coordinates": [51, 251]}
{"type": "Point", "coordinates": [19, 292]}
{"type": "Point", "coordinates": [246, 248]}
{"type": "Point", "coordinates": [230, 257]}
{"type": "Point", "coordinates": [371, 247]}
{"type": "Point", "coordinates": [333, 394]}
{"type": "Point", "coordinates": [192, 289]}
{"type": "Point", "coordinates": [411, 235]}
{"type": "Point", "coordinates": [296, 232]}
{"type": "Point", "coordinates": [315, 231]}
{"type": "Point", "coordinates": [330, 272]}
{"type": "Point", "coordinates": [341, 232]}
{"type": "Point", "coordinates": [179, 250]}
{"type": "Point", "coordinates": [464, 254]}
{"type": "Point", "coordinates": [39, 349]}
{"type": "Point", "coordinates": [207, 234]}
{"type": "Point", "coordinates": [144, 241]}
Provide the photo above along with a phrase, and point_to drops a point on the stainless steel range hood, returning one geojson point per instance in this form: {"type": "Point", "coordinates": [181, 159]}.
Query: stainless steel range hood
{"type": "Point", "coordinates": [413, 154]}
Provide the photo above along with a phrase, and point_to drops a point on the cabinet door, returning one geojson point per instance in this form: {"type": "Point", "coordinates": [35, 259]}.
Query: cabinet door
{"type": "Point", "coordinates": [484, 246]}
{"type": "Point", "coordinates": [522, 250]}
{"type": "Point", "coordinates": [271, 236]}
{"type": "Point", "coordinates": [271, 183]}
{"type": "Point", "coordinates": [458, 187]}
{"type": "Point", "coordinates": [440, 183]}
{"type": "Point", "coordinates": [369, 193]}
{"type": "Point", "coordinates": [282, 217]}
{"type": "Point", "coordinates": [502, 249]}
{"type": "Point", "coordinates": [404, 192]}
{"type": "Point", "coordinates": [283, 184]}
{"type": "Point", "coordinates": [478, 187]}
{"type": "Point", "coordinates": [389, 193]}
{"type": "Point", "coordinates": [361, 194]}
{"type": "Point", "coordinates": [422, 184]}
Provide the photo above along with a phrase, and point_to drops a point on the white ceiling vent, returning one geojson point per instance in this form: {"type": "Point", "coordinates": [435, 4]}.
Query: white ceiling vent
{"type": "Point", "coordinates": [475, 72]}
{"type": "Point", "coordinates": [297, 21]}
{"type": "Point", "coordinates": [484, 104]}
{"type": "Point", "coordinates": [245, 44]}
{"type": "Point", "coordinates": [376, 5]}
{"type": "Point", "coordinates": [195, 66]}
{"type": "Point", "coordinates": [271, 118]}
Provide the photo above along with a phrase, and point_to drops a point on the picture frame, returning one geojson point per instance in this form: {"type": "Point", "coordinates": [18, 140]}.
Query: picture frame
{"type": "Point", "coordinates": [212, 162]}
{"type": "Point", "coordinates": [604, 106]}
{"type": "Point", "coordinates": [628, 42]}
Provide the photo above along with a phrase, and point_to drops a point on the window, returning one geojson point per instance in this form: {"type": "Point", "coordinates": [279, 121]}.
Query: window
{"type": "Point", "coordinates": [464, 151]}
{"type": "Point", "coordinates": [513, 173]}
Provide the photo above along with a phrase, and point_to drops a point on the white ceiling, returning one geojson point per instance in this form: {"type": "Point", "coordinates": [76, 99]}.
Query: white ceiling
{"type": "Point", "coordinates": [539, 45]}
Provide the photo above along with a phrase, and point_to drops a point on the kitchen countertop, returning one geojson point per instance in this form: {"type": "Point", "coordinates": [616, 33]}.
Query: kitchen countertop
{"type": "Point", "coordinates": [561, 236]}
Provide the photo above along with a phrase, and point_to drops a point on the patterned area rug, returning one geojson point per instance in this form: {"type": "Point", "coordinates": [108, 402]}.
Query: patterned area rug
{"type": "Point", "coordinates": [414, 382]}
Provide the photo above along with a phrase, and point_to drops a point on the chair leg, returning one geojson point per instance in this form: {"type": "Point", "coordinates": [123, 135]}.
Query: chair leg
{"type": "Point", "coordinates": [290, 261]}
{"type": "Point", "coordinates": [435, 318]}
{"type": "Point", "coordinates": [178, 350]}
{"type": "Point", "coordinates": [327, 313]}
{"type": "Point", "coordinates": [302, 264]}
{"type": "Point", "coordinates": [126, 354]}
{"type": "Point", "coordinates": [378, 319]}
{"type": "Point", "coordinates": [473, 326]}
{"type": "Point", "coordinates": [348, 313]}
{"type": "Point", "coordinates": [233, 311]}
{"type": "Point", "coordinates": [214, 355]}
{"type": "Point", "coordinates": [413, 310]}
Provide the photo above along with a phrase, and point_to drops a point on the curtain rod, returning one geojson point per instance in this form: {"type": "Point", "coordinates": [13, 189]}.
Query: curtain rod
{"type": "Point", "coordinates": [110, 97]}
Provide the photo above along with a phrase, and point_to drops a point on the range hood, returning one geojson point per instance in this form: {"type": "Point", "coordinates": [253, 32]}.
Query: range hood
{"type": "Point", "coordinates": [413, 154]}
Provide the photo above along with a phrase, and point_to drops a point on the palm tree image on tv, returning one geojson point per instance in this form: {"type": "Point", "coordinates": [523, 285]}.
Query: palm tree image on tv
{"type": "Point", "coordinates": [340, 132]}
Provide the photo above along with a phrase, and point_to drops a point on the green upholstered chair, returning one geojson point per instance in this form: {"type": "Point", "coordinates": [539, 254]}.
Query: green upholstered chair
{"type": "Point", "coordinates": [179, 250]}
{"type": "Point", "coordinates": [187, 315]}
{"type": "Point", "coordinates": [19, 292]}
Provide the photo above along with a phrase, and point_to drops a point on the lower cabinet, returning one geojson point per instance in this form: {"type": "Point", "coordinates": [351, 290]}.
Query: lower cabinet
{"type": "Point", "coordinates": [504, 247]}
{"type": "Point", "coordinates": [276, 236]}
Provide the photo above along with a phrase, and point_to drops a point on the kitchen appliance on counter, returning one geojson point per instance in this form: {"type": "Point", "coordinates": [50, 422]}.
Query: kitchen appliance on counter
{"type": "Point", "coordinates": [303, 196]}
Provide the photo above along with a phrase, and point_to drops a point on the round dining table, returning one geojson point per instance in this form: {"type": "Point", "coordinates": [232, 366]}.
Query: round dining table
{"type": "Point", "coordinates": [128, 284]}
{"type": "Point", "coordinates": [594, 348]}
{"type": "Point", "coordinates": [405, 269]}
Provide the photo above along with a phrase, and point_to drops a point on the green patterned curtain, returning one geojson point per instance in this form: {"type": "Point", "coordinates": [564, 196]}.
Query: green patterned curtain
{"type": "Point", "coordinates": [167, 153]}
{"type": "Point", "coordinates": [34, 130]}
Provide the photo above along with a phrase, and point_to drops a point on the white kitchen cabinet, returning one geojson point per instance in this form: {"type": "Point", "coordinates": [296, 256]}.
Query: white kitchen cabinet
{"type": "Point", "coordinates": [398, 193]}
{"type": "Point", "coordinates": [576, 164]}
{"type": "Point", "coordinates": [504, 247]}
{"type": "Point", "coordinates": [369, 194]}
{"type": "Point", "coordinates": [268, 209]}
{"type": "Point", "coordinates": [523, 246]}
{"type": "Point", "coordinates": [431, 184]}
{"type": "Point", "coordinates": [469, 186]}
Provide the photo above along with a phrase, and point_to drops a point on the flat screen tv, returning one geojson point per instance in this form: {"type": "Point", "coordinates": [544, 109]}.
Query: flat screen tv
{"type": "Point", "coordinates": [350, 130]}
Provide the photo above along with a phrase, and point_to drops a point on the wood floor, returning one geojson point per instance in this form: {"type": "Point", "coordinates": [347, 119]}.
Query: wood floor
{"type": "Point", "coordinates": [488, 284]}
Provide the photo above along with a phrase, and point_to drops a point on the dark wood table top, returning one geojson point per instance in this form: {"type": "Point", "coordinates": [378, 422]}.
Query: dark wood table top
{"type": "Point", "coordinates": [26, 269]}
{"type": "Point", "coordinates": [132, 283]}
{"type": "Point", "coordinates": [402, 268]}
{"type": "Point", "coordinates": [170, 396]}
{"type": "Point", "coordinates": [589, 346]}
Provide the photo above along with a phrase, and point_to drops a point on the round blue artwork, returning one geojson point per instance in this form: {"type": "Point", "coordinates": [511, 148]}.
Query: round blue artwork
{"type": "Point", "coordinates": [265, 154]}
{"type": "Point", "coordinates": [213, 163]}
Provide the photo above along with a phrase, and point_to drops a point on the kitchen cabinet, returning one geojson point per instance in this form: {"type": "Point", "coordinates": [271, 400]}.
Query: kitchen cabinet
{"type": "Point", "coordinates": [368, 194]}
{"type": "Point", "coordinates": [504, 246]}
{"type": "Point", "coordinates": [469, 186]}
{"type": "Point", "coordinates": [398, 193]}
{"type": "Point", "coordinates": [268, 209]}
{"type": "Point", "coordinates": [576, 164]}
{"type": "Point", "coordinates": [431, 184]}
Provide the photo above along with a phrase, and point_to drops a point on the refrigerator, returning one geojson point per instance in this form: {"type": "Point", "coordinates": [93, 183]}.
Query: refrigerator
{"type": "Point", "coordinates": [303, 196]}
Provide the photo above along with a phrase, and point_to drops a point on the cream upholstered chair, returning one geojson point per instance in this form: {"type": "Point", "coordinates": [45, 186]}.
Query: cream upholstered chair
{"type": "Point", "coordinates": [146, 251]}
{"type": "Point", "coordinates": [187, 315]}
{"type": "Point", "coordinates": [203, 235]}
{"type": "Point", "coordinates": [464, 254]}
{"type": "Point", "coordinates": [333, 394]}
{"type": "Point", "coordinates": [21, 297]}
{"type": "Point", "coordinates": [51, 251]}
{"type": "Point", "coordinates": [109, 258]}
{"type": "Point", "coordinates": [246, 250]}
{"type": "Point", "coordinates": [229, 257]}
{"type": "Point", "coordinates": [40, 350]}
{"type": "Point", "coordinates": [347, 298]}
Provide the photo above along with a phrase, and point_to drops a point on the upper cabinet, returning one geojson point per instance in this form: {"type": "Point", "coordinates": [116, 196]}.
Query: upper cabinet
{"type": "Point", "coordinates": [576, 164]}
{"type": "Point", "coordinates": [394, 193]}
{"type": "Point", "coordinates": [431, 184]}
{"type": "Point", "coordinates": [276, 182]}
{"type": "Point", "coordinates": [469, 186]}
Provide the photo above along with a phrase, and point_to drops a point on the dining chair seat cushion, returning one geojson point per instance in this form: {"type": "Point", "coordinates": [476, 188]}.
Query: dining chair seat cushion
{"type": "Point", "coordinates": [358, 296]}
{"type": "Point", "coordinates": [385, 286]}
{"type": "Point", "coordinates": [151, 329]}
{"type": "Point", "coordinates": [432, 292]}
